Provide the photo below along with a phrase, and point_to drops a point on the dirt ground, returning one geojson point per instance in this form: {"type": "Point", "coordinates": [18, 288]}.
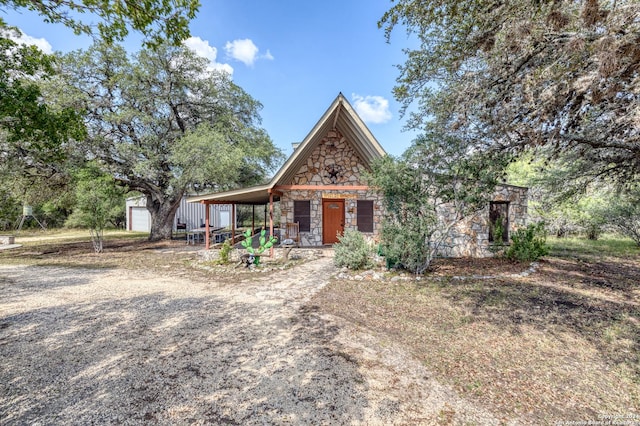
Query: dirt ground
{"type": "Point", "coordinates": [127, 346]}
{"type": "Point", "coordinates": [149, 332]}
{"type": "Point", "coordinates": [560, 344]}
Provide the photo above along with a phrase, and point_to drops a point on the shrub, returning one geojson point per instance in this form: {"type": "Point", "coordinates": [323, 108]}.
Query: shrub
{"type": "Point", "coordinates": [225, 252]}
{"type": "Point", "coordinates": [353, 251]}
{"type": "Point", "coordinates": [625, 217]}
{"type": "Point", "coordinates": [528, 243]}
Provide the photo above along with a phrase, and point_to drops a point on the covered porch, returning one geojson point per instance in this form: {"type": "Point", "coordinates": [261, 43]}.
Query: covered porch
{"type": "Point", "coordinates": [264, 196]}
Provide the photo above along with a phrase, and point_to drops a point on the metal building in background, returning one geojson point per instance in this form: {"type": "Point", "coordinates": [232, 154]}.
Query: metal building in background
{"type": "Point", "coordinates": [188, 216]}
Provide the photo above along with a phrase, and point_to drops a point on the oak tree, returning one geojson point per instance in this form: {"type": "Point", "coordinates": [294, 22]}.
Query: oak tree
{"type": "Point", "coordinates": [163, 124]}
{"type": "Point", "coordinates": [36, 137]}
{"type": "Point", "coordinates": [158, 21]}
{"type": "Point", "coordinates": [561, 76]}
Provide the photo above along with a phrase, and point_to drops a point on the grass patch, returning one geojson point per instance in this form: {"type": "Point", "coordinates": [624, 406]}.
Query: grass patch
{"type": "Point", "coordinates": [606, 245]}
{"type": "Point", "coordinates": [72, 248]}
{"type": "Point", "coordinates": [560, 344]}
{"type": "Point", "coordinates": [127, 250]}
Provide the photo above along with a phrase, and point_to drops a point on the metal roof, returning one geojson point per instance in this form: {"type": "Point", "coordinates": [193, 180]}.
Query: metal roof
{"type": "Point", "coordinates": [251, 195]}
{"type": "Point", "coordinates": [340, 116]}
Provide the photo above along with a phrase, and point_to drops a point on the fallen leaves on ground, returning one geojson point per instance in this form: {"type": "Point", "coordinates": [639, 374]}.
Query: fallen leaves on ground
{"type": "Point", "coordinates": [562, 343]}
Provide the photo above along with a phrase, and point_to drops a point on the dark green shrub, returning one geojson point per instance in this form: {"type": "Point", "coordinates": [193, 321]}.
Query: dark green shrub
{"type": "Point", "coordinates": [353, 251]}
{"type": "Point", "coordinates": [528, 243]}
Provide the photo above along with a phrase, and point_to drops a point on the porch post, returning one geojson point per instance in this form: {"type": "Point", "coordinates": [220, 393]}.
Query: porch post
{"type": "Point", "coordinates": [233, 224]}
{"type": "Point", "coordinates": [271, 250]}
{"type": "Point", "coordinates": [206, 226]}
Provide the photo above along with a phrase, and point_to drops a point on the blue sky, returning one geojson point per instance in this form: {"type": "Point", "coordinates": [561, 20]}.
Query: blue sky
{"type": "Point", "coordinates": [292, 56]}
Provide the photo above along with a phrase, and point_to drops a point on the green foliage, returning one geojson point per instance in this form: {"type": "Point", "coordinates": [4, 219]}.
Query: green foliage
{"type": "Point", "coordinates": [606, 245]}
{"type": "Point", "coordinates": [9, 209]}
{"type": "Point", "coordinates": [556, 76]}
{"type": "Point", "coordinates": [528, 243]}
{"type": "Point", "coordinates": [38, 135]}
{"type": "Point", "coordinates": [353, 251]}
{"type": "Point", "coordinates": [157, 20]}
{"type": "Point", "coordinates": [589, 207]}
{"type": "Point", "coordinates": [164, 124]}
{"type": "Point", "coordinates": [435, 175]}
{"type": "Point", "coordinates": [225, 252]}
{"type": "Point", "coordinates": [98, 200]}
{"type": "Point", "coordinates": [408, 244]}
{"type": "Point", "coordinates": [498, 231]}
{"type": "Point", "coordinates": [624, 215]}
{"type": "Point", "coordinates": [497, 246]}
{"type": "Point", "coordinates": [34, 133]}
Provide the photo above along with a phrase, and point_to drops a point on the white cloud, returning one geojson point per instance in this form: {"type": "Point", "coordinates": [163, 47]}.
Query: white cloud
{"type": "Point", "coordinates": [372, 109]}
{"type": "Point", "coordinates": [40, 43]}
{"type": "Point", "coordinates": [202, 48]}
{"type": "Point", "coordinates": [268, 55]}
{"type": "Point", "coordinates": [242, 50]}
{"type": "Point", "coordinates": [245, 51]}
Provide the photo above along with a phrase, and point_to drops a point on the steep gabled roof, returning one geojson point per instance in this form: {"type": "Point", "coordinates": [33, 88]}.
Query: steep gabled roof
{"type": "Point", "coordinates": [340, 116]}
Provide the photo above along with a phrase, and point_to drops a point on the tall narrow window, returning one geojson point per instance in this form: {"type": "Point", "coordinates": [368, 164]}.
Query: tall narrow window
{"type": "Point", "coordinates": [499, 221]}
{"type": "Point", "coordinates": [302, 214]}
{"type": "Point", "coordinates": [365, 215]}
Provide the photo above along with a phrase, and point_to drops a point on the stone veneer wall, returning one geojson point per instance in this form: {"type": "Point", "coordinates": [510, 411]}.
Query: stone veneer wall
{"type": "Point", "coordinates": [333, 154]}
{"type": "Point", "coordinates": [333, 162]}
{"type": "Point", "coordinates": [314, 238]}
{"type": "Point", "coordinates": [470, 237]}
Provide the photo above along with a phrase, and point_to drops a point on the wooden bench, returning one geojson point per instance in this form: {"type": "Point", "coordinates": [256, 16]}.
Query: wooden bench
{"type": "Point", "coordinates": [195, 234]}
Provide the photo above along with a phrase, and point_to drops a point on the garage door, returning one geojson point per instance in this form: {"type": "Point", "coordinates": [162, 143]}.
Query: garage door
{"type": "Point", "coordinates": [139, 219]}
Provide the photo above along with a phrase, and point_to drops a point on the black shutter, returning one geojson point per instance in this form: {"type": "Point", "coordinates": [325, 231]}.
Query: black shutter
{"type": "Point", "coordinates": [365, 215]}
{"type": "Point", "coordinates": [302, 214]}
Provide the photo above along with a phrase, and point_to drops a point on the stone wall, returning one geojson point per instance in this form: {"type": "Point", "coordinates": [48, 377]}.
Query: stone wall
{"type": "Point", "coordinates": [333, 162]}
{"type": "Point", "coordinates": [314, 238]}
{"type": "Point", "coordinates": [470, 237]}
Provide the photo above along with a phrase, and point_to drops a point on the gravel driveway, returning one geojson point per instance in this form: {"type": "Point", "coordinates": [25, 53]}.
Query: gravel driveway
{"type": "Point", "coordinates": [82, 346]}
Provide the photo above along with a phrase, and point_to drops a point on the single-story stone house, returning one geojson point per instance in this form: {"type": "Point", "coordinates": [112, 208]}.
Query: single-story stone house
{"type": "Point", "coordinates": [322, 188]}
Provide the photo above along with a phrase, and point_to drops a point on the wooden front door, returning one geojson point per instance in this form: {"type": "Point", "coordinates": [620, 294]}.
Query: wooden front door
{"type": "Point", "coordinates": [332, 220]}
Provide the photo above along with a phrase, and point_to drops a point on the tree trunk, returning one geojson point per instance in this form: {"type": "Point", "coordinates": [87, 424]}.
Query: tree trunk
{"type": "Point", "coordinates": [97, 237]}
{"type": "Point", "coordinates": [163, 211]}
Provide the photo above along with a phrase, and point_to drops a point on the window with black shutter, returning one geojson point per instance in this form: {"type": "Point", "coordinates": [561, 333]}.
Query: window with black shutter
{"type": "Point", "coordinates": [365, 215]}
{"type": "Point", "coordinates": [302, 214]}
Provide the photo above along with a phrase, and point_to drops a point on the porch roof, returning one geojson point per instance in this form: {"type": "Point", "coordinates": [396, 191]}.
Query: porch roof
{"type": "Point", "coordinates": [252, 195]}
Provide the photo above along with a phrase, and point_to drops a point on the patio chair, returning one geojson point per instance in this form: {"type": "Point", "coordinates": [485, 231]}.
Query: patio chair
{"type": "Point", "coordinates": [292, 232]}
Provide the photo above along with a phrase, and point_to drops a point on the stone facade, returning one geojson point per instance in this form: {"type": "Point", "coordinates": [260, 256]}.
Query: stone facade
{"type": "Point", "coordinates": [314, 237]}
{"type": "Point", "coordinates": [470, 237]}
{"type": "Point", "coordinates": [333, 162]}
